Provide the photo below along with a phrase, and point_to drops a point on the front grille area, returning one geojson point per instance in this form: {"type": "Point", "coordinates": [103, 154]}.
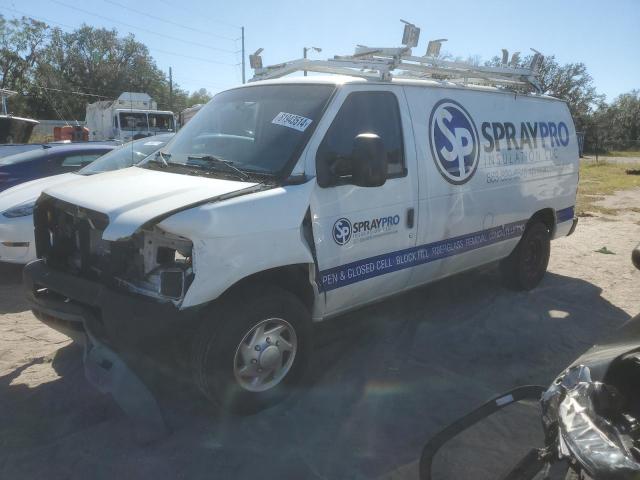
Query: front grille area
{"type": "Point", "coordinates": [69, 237]}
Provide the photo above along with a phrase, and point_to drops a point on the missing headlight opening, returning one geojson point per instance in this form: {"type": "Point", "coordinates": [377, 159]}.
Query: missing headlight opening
{"type": "Point", "coordinates": [167, 263]}
{"type": "Point", "coordinates": [152, 262]}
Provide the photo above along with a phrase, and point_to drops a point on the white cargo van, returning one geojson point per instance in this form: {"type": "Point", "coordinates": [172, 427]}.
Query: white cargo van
{"type": "Point", "coordinates": [289, 201]}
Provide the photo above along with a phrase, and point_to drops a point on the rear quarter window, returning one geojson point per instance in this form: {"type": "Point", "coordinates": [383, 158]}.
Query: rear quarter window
{"type": "Point", "coordinates": [78, 160]}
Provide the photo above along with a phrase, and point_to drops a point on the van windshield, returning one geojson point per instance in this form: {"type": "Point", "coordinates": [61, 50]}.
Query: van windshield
{"type": "Point", "coordinates": [126, 155]}
{"type": "Point", "coordinates": [256, 129]}
{"type": "Point", "coordinates": [160, 122]}
{"type": "Point", "coordinates": [133, 121]}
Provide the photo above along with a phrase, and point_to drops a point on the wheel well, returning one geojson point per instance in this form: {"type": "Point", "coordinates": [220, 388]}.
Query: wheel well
{"type": "Point", "coordinates": [293, 278]}
{"type": "Point", "coordinates": [546, 216]}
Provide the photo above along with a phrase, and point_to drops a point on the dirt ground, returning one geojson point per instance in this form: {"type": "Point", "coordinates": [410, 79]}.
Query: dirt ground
{"type": "Point", "coordinates": [389, 377]}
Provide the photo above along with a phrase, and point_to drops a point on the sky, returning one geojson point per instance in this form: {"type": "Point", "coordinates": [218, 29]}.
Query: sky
{"type": "Point", "coordinates": [200, 39]}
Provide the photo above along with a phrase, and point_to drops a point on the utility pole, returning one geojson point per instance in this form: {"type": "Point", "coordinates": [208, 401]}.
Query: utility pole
{"type": "Point", "coordinates": [170, 89]}
{"type": "Point", "coordinates": [243, 77]}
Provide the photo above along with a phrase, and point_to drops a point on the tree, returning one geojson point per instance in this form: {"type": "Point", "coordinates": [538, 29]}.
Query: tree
{"type": "Point", "coordinates": [618, 125]}
{"type": "Point", "coordinates": [570, 82]}
{"type": "Point", "coordinates": [199, 96]}
{"type": "Point", "coordinates": [98, 63]}
{"type": "Point", "coordinates": [58, 72]}
{"type": "Point", "coordinates": [22, 43]}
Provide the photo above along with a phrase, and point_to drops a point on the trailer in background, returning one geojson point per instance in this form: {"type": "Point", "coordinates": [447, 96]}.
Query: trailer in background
{"type": "Point", "coordinates": [188, 113]}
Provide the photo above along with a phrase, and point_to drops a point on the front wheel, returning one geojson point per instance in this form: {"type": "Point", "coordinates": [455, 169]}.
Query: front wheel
{"type": "Point", "coordinates": [525, 267]}
{"type": "Point", "coordinates": [252, 349]}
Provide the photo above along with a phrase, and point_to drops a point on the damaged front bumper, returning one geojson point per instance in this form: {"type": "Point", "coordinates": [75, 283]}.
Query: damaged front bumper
{"type": "Point", "coordinates": [122, 334]}
{"type": "Point", "coordinates": [125, 321]}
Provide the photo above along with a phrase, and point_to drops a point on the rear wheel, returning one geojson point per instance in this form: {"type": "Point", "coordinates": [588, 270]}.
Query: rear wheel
{"type": "Point", "coordinates": [525, 267]}
{"type": "Point", "coordinates": [251, 351]}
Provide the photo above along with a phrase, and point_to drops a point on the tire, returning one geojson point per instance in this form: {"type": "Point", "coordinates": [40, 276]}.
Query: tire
{"type": "Point", "coordinates": [229, 348]}
{"type": "Point", "coordinates": [525, 267]}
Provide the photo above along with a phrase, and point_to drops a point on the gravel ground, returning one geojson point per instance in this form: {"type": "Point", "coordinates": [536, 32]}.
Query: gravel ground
{"type": "Point", "coordinates": [391, 376]}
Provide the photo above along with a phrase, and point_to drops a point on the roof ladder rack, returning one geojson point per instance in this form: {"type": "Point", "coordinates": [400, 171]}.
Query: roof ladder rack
{"type": "Point", "coordinates": [399, 62]}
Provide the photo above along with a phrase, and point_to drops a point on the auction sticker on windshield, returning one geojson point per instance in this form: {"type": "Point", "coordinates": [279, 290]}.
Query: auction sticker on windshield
{"type": "Point", "coordinates": [290, 120]}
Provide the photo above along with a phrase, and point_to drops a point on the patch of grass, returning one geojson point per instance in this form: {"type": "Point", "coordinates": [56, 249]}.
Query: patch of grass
{"type": "Point", "coordinates": [620, 153]}
{"type": "Point", "coordinates": [600, 179]}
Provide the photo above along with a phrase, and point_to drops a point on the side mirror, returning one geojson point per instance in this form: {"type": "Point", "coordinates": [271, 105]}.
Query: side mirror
{"type": "Point", "coordinates": [635, 256]}
{"type": "Point", "coordinates": [368, 161]}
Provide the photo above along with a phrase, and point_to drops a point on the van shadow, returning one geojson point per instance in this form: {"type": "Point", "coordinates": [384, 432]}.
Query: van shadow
{"type": "Point", "coordinates": [12, 299]}
{"type": "Point", "coordinates": [383, 380]}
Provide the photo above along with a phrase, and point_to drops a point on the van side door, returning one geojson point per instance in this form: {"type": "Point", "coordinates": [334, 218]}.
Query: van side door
{"type": "Point", "coordinates": [360, 231]}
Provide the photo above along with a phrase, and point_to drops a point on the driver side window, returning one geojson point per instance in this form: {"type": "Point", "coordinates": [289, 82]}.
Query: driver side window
{"type": "Point", "coordinates": [363, 112]}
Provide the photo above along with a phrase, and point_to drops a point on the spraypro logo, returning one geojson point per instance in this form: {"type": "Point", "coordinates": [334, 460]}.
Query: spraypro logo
{"type": "Point", "coordinates": [454, 141]}
{"type": "Point", "coordinates": [342, 231]}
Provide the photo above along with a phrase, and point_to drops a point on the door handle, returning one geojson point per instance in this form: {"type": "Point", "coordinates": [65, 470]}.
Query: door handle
{"type": "Point", "coordinates": [410, 217]}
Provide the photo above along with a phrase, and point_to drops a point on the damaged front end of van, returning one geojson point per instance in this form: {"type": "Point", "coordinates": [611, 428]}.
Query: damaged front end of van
{"type": "Point", "coordinates": [119, 299]}
{"type": "Point", "coordinates": [151, 262]}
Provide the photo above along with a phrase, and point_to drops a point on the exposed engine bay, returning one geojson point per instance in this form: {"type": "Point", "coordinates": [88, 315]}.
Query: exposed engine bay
{"type": "Point", "coordinates": [152, 262]}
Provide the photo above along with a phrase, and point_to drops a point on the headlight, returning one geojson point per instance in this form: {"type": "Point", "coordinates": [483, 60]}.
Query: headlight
{"type": "Point", "coordinates": [582, 433]}
{"type": "Point", "coordinates": [22, 210]}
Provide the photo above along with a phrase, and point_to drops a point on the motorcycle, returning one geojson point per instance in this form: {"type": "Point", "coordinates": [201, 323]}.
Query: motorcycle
{"type": "Point", "coordinates": [590, 421]}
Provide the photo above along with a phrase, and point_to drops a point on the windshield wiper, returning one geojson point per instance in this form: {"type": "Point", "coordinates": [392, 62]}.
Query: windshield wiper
{"type": "Point", "coordinates": [161, 155]}
{"type": "Point", "coordinates": [218, 161]}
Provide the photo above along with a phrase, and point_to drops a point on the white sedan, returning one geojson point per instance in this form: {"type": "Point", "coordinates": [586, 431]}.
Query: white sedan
{"type": "Point", "coordinates": [17, 243]}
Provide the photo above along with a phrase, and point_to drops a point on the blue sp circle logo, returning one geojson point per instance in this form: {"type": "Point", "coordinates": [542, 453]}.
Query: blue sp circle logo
{"type": "Point", "coordinates": [454, 141]}
{"type": "Point", "coordinates": [342, 231]}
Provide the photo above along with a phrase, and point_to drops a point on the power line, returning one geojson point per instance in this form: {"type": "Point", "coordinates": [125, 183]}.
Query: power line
{"type": "Point", "coordinates": [72, 91]}
{"type": "Point", "coordinates": [199, 14]}
{"type": "Point", "coordinates": [39, 19]}
{"type": "Point", "coordinates": [194, 81]}
{"type": "Point", "coordinates": [135, 28]}
{"type": "Point", "coordinates": [170, 22]}
{"type": "Point", "coordinates": [200, 59]}
{"type": "Point", "coordinates": [55, 109]}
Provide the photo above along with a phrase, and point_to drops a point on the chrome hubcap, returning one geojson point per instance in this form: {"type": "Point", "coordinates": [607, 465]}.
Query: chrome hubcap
{"type": "Point", "coordinates": [265, 355]}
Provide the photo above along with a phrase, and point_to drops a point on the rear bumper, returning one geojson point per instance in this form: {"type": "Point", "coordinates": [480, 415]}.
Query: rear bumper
{"type": "Point", "coordinates": [565, 228]}
{"type": "Point", "coordinates": [123, 321]}
{"type": "Point", "coordinates": [574, 224]}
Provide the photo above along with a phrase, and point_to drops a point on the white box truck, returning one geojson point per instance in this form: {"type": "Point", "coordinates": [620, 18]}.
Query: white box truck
{"type": "Point", "coordinates": [292, 200]}
{"type": "Point", "coordinates": [130, 117]}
